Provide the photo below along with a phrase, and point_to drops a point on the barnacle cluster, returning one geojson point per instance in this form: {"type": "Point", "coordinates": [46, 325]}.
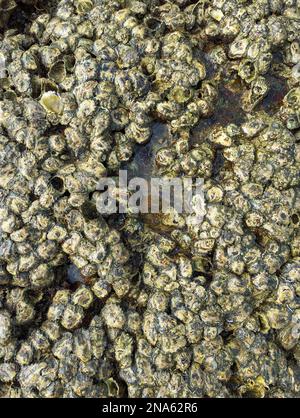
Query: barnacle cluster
{"type": "Point", "coordinates": [149, 305]}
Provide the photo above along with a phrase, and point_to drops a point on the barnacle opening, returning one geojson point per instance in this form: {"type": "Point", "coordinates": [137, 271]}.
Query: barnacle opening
{"type": "Point", "coordinates": [58, 72]}
{"type": "Point", "coordinates": [57, 183]}
{"type": "Point", "coordinates": [89, 210]}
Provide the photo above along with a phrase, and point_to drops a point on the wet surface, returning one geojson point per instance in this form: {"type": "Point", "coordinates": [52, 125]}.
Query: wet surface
{"type": "Point", "coordinates": [227, 110]}
{"type": "Point", "coordinates": [218, 163]}
{"type": "Point", "coordinates": [278, 89]}
{"type": "Point", "coordinates": [143, 162]}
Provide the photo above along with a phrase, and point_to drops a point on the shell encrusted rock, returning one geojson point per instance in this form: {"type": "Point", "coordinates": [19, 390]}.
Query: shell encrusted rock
{"type": "Point", "coordinates": [149, 305]}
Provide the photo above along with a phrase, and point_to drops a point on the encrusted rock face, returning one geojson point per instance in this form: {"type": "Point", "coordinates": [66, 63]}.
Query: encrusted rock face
{"type": "Point", "coordinates": [149, 305]}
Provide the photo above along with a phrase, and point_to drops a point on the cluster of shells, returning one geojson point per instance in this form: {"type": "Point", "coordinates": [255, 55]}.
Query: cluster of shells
{"type": "Point", "coordinates": [149, 306]}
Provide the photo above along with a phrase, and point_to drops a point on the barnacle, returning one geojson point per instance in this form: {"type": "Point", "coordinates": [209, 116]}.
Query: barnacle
{"type": "Point", "coordinates": [52, 102]}
{"type": "Point", "coordinates": [149, 305]}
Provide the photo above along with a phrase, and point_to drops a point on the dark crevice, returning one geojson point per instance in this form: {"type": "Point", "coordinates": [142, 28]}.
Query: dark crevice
{"type": "Point", "coordinates": [89, 211]}
{"type": "Point", "coordinates": [22, 16]}
{"type": "Point", "coordinates": [57, 183]}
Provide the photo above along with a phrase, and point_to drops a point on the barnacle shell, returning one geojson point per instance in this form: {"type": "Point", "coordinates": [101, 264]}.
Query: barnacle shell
{"type": "Point", "coordinates": [52, 102]}
{"type": "Point", "coordinates": [84, 6]}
